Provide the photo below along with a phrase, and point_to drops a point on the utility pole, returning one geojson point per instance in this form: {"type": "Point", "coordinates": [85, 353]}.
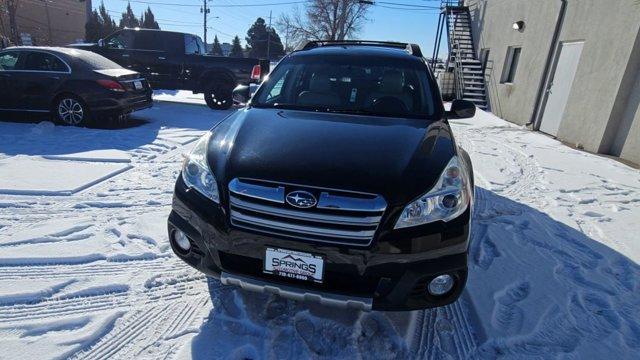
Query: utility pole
{"type": "Point", "coordinates": [205, 11]}
{"type": "Point", "coordinates": [46, 9]}
{"type": "Point", "coordinates": [269, 38]}
{"type": "Point", "coordinates": [12, 8]}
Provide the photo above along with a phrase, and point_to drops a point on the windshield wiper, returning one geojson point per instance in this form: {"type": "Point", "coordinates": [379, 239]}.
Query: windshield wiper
{"type": "Point", "coordinates": [291, 106]}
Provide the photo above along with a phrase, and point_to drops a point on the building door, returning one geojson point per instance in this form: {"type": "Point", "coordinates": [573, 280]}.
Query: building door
{"type": "Point", "coordinates": [560, 87]}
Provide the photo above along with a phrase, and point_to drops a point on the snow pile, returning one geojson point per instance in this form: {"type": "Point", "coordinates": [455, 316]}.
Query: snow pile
{"type": "Point", "coordinates": [553, 267]}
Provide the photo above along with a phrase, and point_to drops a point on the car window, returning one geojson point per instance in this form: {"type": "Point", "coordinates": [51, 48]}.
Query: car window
{"type": "Point", "coordinates": [348, 84]}
{"type": "Point", "coordinates": [148, 40]}
{"type": "Point", "coordinates": [96, 62]}
{"type": "Point", "coordinates": [193, 45]}
{"type": "Point", "coordinates": [8, 60]}
{"type": "Point", "coordinates": [121, 40]}
{"type": "Point", "coordinates": [41, 61]}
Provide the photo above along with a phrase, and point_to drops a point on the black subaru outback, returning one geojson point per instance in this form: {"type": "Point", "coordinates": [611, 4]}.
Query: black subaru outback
{"type": "Point", "coordinates": [340, 182]}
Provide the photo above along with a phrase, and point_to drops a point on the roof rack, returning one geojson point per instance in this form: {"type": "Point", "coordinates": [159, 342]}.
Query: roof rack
{"type": "Point", "coordinates": [412, 49]}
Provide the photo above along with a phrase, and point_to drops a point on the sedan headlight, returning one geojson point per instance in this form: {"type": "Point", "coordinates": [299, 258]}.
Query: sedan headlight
{"type": "Point", "coordinates": [448, 199]}
{"type": "Point", "coordinates": [196, 173]}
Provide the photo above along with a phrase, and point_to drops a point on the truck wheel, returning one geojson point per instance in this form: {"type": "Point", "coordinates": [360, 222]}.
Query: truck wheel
{"type": "Point", "coordinates": [220, 98]}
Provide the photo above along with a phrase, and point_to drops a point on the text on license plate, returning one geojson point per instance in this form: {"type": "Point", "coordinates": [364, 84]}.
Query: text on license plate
{"type": "Point", "coordinates": [137, 84]}
{"type": "Point", "coordinates": [293, 264]}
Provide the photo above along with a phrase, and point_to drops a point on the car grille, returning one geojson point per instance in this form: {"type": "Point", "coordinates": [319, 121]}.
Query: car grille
{"type": "Point", "coordinates": [340, 217]}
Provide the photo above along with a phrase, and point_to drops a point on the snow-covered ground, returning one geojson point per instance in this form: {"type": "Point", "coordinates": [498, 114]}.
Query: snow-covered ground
{"type": "Point", "coordinates": [86, 270]}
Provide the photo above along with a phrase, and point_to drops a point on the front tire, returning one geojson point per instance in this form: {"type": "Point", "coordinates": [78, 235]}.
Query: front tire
{"type": "Point", "coordinates": [220, 98]}
{"type": "Point", "coordinates": [70, 110]}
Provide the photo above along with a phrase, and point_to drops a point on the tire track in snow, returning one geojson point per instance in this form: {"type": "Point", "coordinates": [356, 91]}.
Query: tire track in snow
{"type": "Point", "coordinates": [96, 302]}
{"type": "Point", "coordinates": [148, 330]}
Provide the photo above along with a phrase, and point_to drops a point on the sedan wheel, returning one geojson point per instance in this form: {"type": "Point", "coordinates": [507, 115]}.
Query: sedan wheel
{"type": "Point", "coordinates": [71, 112]}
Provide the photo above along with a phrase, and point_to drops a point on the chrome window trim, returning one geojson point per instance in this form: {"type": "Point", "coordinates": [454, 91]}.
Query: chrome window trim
{"type": "Point", "coordinates": [303, 229]}
{"type": "Point", "coordinates": [305, 215]}
{"type": "Point", "coordinates": [38, 71]}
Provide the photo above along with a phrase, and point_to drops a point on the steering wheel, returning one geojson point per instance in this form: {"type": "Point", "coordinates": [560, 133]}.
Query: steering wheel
{"type": "Point", "coordinates": [389, 105]}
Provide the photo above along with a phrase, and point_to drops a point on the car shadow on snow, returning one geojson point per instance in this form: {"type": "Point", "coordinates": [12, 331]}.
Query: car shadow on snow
{"type": "Point", "coordinates": [536, 287]}
{"type": "Point", "coordinates": [172, 121]}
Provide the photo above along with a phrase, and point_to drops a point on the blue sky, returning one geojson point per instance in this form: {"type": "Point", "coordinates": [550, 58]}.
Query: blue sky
{"type": "Point", "coordinates": [386, 20]}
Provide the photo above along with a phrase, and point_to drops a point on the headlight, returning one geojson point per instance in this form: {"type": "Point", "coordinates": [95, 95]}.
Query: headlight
{"type": "Point", "coordinates": [196, 173]}
{"type": "Point", "coordinates": [448, 199]}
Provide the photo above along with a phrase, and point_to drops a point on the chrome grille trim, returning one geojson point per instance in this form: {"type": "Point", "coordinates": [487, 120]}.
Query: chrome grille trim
{"type": "Point", "coordinates": [302, 229]}
{"type": "Point", "coordinates": [339, 218]}
{"type": "Point", "coordinates": [273, 194]}
{"type": "Point", "coordinates": [337, 202]}
{"type": "Point", "coordinates": [305, 215]}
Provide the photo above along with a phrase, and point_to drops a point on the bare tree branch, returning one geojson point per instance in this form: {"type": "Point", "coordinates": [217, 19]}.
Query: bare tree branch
{"type": "Point", "coordinates": [324, 20]}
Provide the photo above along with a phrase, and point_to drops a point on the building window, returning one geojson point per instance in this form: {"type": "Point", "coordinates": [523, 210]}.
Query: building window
{"type": "Point", "coordinates": [511, 64]}
{"type": "Point", "coordinates": [484, 58]}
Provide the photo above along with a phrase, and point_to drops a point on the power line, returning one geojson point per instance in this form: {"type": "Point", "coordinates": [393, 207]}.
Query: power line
{"type": "Point", "coordinates": [216, 6]}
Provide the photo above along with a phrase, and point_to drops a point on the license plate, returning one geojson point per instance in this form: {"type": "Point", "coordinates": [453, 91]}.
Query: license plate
{"type": "Point", "coordinates": [137, 84]}
{"type": "Point", "coordinates": [293, 264]}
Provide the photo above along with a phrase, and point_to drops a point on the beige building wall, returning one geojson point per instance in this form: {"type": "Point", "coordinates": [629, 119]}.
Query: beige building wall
{"type": "Point", "coordinates": [58, 22]}
{"type": "Point", "coordinates": [601, 114]}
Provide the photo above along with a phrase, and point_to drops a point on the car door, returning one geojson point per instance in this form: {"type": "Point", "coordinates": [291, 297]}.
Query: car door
{"type": "Point", "coordinates": [8, 93]}
{"type": "Point", "coordinates": [118, 48]}
{"type": "Point", "coordinates": [150, 58]}
{"type": "Point", "coordinates": [193, 63]}
{"type": "Point", "coordinates": [40, 76]}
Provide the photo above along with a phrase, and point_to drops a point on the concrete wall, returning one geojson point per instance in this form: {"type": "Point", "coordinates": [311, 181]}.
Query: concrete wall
{"type": "Point", "coordinates": [58, 22]}
{"type": "Point", "coordinates": [602, 107]}
{"type": "Point", "coordinates": [492, 28]}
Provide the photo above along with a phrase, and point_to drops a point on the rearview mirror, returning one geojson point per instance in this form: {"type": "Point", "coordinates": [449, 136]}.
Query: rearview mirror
{"type": "Point", "coordinates": [461, 109]}
{"type": "Point", "coordinates": [101, 42]}
{"type": "Point", "coordinates": [241, 94]}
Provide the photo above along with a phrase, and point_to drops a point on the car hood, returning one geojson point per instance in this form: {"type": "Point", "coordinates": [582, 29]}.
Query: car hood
{"type": "Point", "coordinates": [397, 158]}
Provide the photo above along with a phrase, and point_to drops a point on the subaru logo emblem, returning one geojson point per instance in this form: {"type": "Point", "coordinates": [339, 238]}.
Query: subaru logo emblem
{"type": "Point", "coordinates": [301, 199]}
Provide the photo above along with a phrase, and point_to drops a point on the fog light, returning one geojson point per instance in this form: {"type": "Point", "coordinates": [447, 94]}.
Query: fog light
{"type": "Point", "coordinates": [181, 240]}
{"type": "Point", "coordinates": [441, 285]}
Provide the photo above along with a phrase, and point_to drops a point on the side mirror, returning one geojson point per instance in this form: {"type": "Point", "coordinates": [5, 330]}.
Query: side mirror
{"type": "Point", "coordinates": [461, 109]}
{"type": "Point", "coordinates": [101, 42]}
{"type": "Point", "coordinates": [242, 94]}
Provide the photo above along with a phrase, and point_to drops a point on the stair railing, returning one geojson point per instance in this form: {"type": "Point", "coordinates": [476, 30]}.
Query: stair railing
{"type": "Point", "coordinates": [458, 73]}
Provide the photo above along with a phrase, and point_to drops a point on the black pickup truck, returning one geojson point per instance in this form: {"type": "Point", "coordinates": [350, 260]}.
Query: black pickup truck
{"type": "Point", "coordinates": [172, 60]}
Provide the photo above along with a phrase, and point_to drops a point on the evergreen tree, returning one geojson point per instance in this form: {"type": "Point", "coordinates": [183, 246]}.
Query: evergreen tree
{"type": "Point", "coordinates": [93, 27]}
{"type": "Point", "coordinates": [216, 48]}
{"type": "Point", "coordinates": [263, 41]}
{"type": "Point", "coordinates": [148, 20]}
{"type": "Point", "coordinates": [129, 19]}
{"type": "Point", "coordinates": [107, 24]}
{"type": "Point", "coordinates": [236, 48]}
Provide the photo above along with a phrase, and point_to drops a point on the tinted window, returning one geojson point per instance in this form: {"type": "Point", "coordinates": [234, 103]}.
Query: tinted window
{"type": "Point", "coordinates": [121, 40]}
{"type": "Point", "coordinates": [148, 40]}
{"type": "Point", "coordinates": [351, 84]}
{"type": "Point", "coordinates": [96, 62]}
{"type": "Point", "coordinates": [8, 60]}
{"type": "Point", "coordinates": [193, 45]}
{"type": "Point", "coordinates": [40, 61]}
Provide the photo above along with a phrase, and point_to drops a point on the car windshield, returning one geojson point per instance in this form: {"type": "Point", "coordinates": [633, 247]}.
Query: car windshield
{"type": "Point", "coordinates": [354, 85]}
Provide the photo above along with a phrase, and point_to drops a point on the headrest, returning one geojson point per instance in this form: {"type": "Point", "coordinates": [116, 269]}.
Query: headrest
{"type": "Point", "coordinates": [392, 82]}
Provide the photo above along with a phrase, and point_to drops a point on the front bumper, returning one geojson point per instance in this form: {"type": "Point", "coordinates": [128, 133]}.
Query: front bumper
{"type": "Point", "coordinates": [391, 274]}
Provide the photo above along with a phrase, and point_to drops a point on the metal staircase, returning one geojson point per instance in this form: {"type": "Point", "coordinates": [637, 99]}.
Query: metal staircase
{"type": "Point", "coordinates": [462, 60]}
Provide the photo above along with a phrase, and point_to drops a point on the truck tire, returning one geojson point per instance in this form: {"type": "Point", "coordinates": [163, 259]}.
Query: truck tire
{"type": "Point", "coordinates": [219, 98]}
